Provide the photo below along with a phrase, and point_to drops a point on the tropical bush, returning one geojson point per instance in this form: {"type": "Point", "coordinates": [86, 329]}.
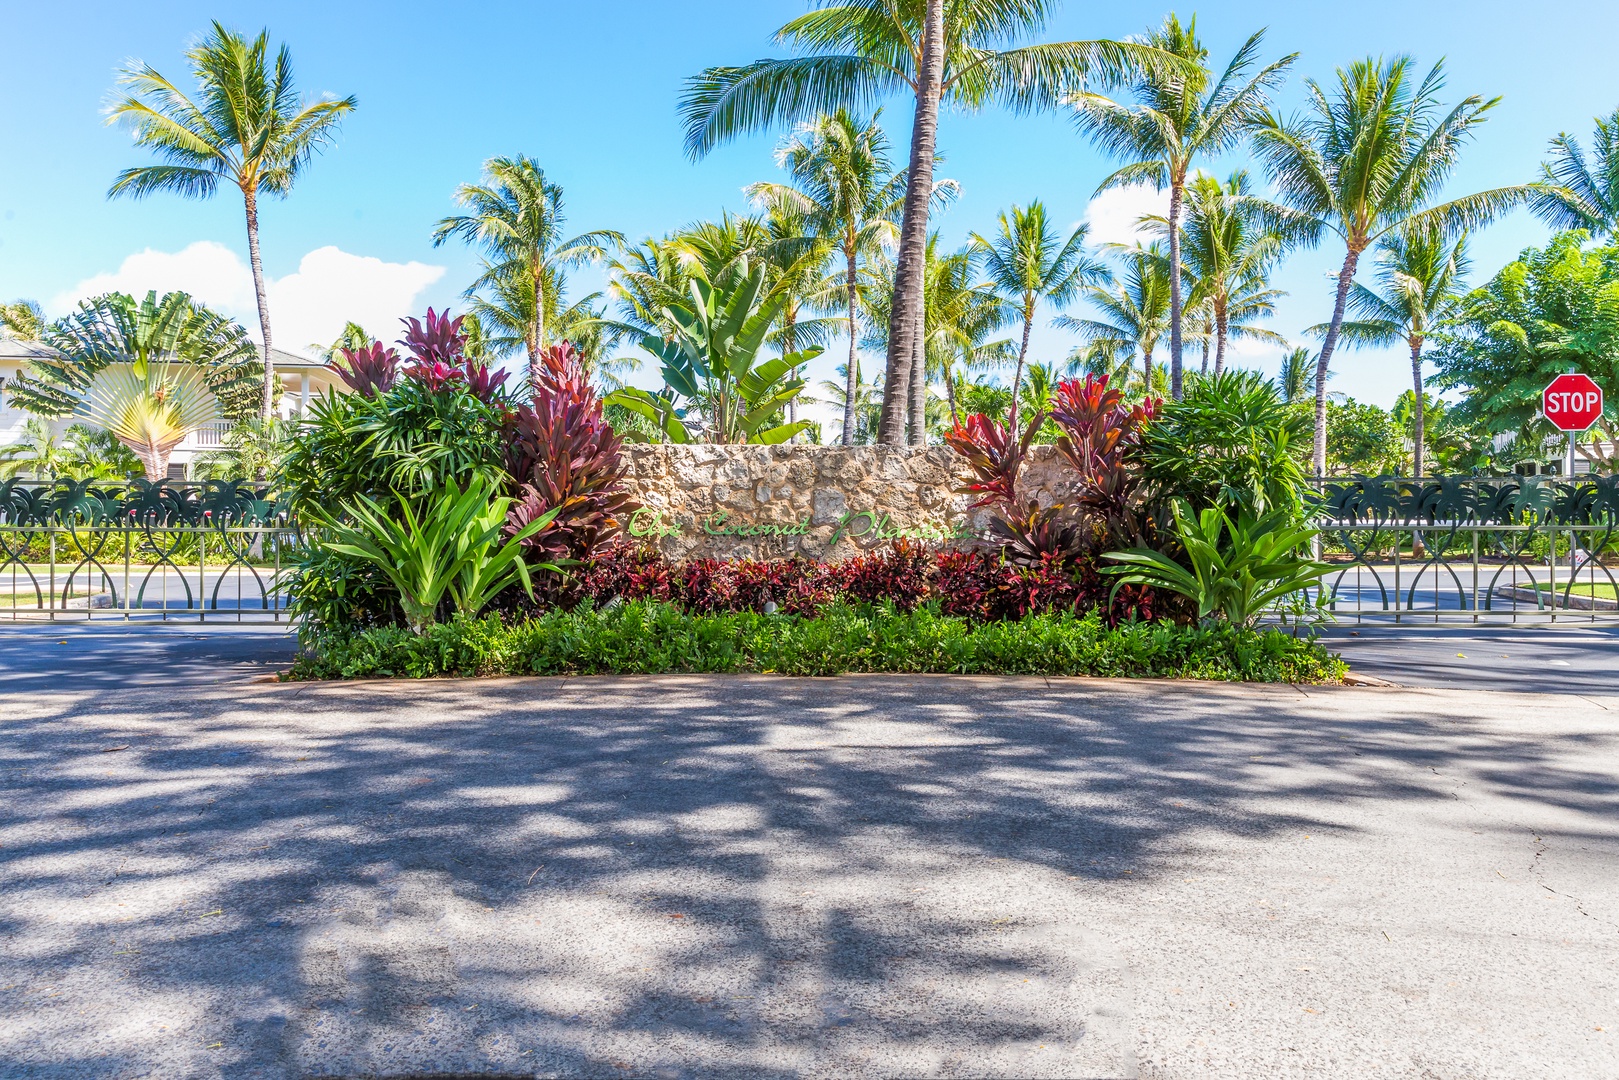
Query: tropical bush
{"type": "Point", "coordinates": [1231, 442]}
{"type": "Point", "coordinates": [647, 637]}
{"type": "Point", "coordinates": [1237, 569]}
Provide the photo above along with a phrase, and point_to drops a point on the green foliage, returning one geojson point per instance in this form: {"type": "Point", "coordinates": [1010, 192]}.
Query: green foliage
{"type": "Point", "coordinates": [1230, 442]}
{"type": "Point", "coordinates": [252, 449]}
{"type": "Point", "coordinates": [1553, 310]}
{"type": "Point", "coordinates": [453, 546]}
{"type": "Point", "coordinates": [1239, 569]}
{"type": "Point", "coordinates": [411, 440]}
{"type": "Point", "coordinates": [645, 637]}
{"type": "Point", "coordinates": [710, 354]}
{"type": "Point", "coordinates": [331, 595]}
{"type": "Point", "coordinates": [1583, 192]}
{"type": "Point", "coordinates": [1363, 440]}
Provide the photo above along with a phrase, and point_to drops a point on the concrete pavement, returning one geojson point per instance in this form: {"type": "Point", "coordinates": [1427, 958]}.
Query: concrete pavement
{"type": "Point", "coordinates": [764, 877]}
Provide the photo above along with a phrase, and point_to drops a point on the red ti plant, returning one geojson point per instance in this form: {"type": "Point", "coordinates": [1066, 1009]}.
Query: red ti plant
{"type": "Point", "coordinates": [561, 452]}
{"type": "Point", "coordinates": [1098, 434]}
{"type": "Point", "coordinates": [440, 339]}
{"type": "Point", "coordinates": [368, 371]}
{"type": "Point", "coordinates": [1030, 533]}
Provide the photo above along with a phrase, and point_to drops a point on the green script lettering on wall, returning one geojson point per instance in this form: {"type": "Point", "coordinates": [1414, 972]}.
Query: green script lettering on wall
{"type": "Point", "coordinates": [869, 525]}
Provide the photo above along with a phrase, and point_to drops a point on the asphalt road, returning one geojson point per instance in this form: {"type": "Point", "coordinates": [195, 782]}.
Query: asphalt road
{"type": "Point", "coordinates": [1574, 659]}
{"type": "Point", "coordinates": [764, 877]}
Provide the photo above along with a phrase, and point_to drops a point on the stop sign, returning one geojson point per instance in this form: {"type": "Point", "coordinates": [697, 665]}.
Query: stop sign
{"type": "Point", "coordinates": [1572, 402]}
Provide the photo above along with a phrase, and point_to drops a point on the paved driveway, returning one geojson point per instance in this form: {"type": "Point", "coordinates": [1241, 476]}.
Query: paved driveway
{"type": "Point", "coordinates": [763, 877]}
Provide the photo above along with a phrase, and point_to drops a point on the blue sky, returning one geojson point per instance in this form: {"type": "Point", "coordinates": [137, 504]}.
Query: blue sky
{"type": "Point", "coordinates": [590, 90]}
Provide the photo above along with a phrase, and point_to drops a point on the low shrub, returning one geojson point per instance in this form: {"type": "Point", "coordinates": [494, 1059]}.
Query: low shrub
{"type": "Point", "coordinates": [647, 637]}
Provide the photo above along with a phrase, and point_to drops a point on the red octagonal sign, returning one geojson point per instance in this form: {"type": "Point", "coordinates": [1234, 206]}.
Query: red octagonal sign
{"type": "Point", "coordinates": [1572, 402]}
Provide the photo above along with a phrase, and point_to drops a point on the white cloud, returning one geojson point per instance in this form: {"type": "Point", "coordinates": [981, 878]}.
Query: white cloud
{"type": "Point", "coordinates": [1113, 214]}
{"type": "Point", "coordinates": [310, 305]}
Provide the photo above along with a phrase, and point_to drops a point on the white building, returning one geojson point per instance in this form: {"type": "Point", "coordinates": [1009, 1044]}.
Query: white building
{"type": "Point", "coordinates": [301, 380]}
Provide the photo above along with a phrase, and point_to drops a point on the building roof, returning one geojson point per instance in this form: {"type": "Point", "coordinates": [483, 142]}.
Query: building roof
{"type": "Point", "coordinates": [17, 349]}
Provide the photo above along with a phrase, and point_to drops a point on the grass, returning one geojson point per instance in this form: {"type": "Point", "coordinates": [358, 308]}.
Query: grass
{"type": "Point", "coordinates": [1601, 589]}
{"type": "Point", "coordinates": [652, 638]}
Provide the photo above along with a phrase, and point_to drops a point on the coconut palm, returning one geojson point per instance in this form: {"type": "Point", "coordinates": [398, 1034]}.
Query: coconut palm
{"type": "Point", "coordinates": [1419, 285]}
{"type": "Point", "coordinates": [1028, 262]}
{"type": "Point", "coordinates": [245, 125]}
{"type": "Point", "coordinates": [852, 54]}
{"type": "Point", "coordinates": [1296, 378]}
{"type": "Point", "coordinates": [1583, 193]}
{"type": "Point", "coordinates": [516, 218]}
{"type": "Point", "coordinates": [1364, 161]}
{"type": "Point", "coordinates": [352, 337]}
{"type": "Point", "coordinates": [24, 320]}
{"type": "Point", "coordinates": [849, 196]}
{"type": "Point", "coordinates": [865, 407]}
{"type": "Point", "coordinates": [40, 453]}
{"type": "Point", "coordinates": [1230, 242]}
{"type": "Point", "coordinates": [1134, 317]}
{"type": "Point", "coordinates": [1179, 116]}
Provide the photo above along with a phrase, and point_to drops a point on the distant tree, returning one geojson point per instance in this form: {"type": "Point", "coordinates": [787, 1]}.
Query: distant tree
{"type": "Point", "coordinates": [245, 125]}
{"type": "Point", "coordinates": [1419, 286]}
{"type": "Point", "coordinates": [1029, 262]}
{"type": "Point", "coordinates": [1581, 192]}
{"type": "Point", "coordinates": [934, 51]}
{"type": "Point", "coordinates": [1553, 310]}
{"type": "Point", "coordinates": [1180, 114]}
{"type": "Point", "coordinates": [1365, 160]}
{"type": "Point", "coordinates": [1362, 439]}
{"type": "Point", "coordinates": [849, 197]}
{"type": "Point", "coordinates": [515, 218]}
{"type": "Point", "coordinates": [1296, 380]}
{"type": "Point", "coordinates": [1133, 317]}
{"type": "Point", "coordinates": [24, 319]}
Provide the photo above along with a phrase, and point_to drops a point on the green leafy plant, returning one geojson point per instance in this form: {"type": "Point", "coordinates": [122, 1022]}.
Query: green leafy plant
{"type": "Point", "coordinates": [454, 545]}
{"type": "Point", "coordinates": [710, 355]}
{"type": "Point", "coordinates": [1239, 569]}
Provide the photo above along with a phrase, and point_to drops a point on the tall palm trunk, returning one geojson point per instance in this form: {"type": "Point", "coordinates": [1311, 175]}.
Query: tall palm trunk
{"type": "Point", "coordinates": [905, 318]}
{"type": "Point", "coordinates": [1175, 291]}
{"type": "Point", "coordinates": [918, 404]}
{"type": "Point", "coordinates": [1022, 354]}
{"type": "Point", "coordinates": [1419, 421]}
{"type": "Point", "coordinates": [1146, 374]}
{"type": "Point", "coordinates": [535, 337]}
{"type": "Point", "coordinates": [1205, 356]}
{"type": "Point", "coordinates": [250, 199]}
{"type": "Point", "coordinates": [1345, 276]}
{"type": "Point", "coordinates": [1222, 325]}
{"type": "Point", "coordinates": [950, 392]}
{"type": "Point", "coordinates": [789, 341]}
{"type": "Point", "coordinates": [854, 365]}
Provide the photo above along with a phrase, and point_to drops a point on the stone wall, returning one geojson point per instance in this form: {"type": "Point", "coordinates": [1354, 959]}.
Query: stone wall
{"type": "Point", "coordinates": [820, 502]}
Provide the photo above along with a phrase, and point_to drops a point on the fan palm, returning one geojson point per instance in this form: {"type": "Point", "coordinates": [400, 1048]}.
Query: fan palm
{"type": "Point", "coordinates": [1363, 162]}
{"type": "Point", "coordinates": [246, 125]}
{"type": "Point", "coordinates": [854, 53]}
{"type": "Point", "coordinates": [1419, 286]}
{"type": "Point", "coordinates": [1178, 116]}
{"type": "Point", "coordinates": [150, 409]}
{"type": "Point", "coordinates": [848, 195]}
{"type": "Point", "coordinates": [1134, 316]}
{"type": "Point", "coordinates": [1028, 262]}
{"type": "Point", "coordinates": [1583, 193]}
{"type": "Point", "coordinates": [516, 218]}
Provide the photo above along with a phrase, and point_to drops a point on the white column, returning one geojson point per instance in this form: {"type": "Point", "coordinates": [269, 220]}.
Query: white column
{"type": "Point", "coordinates": [303, 394]}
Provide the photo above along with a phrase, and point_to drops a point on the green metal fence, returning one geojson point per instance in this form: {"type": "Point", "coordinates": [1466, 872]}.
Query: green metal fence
{"type": "Point", "coordinates": [88, 549]}
{"type": "Point", "coordinates": [1471, 549]}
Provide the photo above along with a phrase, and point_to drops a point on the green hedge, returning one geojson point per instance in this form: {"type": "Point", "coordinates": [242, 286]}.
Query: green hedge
{"type": "Point", "coordinates": [647, 638]}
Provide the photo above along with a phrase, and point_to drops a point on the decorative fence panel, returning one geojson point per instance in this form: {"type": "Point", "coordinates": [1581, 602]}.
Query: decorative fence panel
{"type": "Point", "coordinates": [1475, 549]}
{"type": "Point", "coordinates": [89, 549]}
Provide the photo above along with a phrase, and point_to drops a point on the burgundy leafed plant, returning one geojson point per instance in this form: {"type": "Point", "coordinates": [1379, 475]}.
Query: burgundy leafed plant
{"type": "Point", "coordinates": [561, 452]}
{"type": "Point", "coordinates": [439, 339]}
{"type": "Point", "coordinates": [1030, 533]}
{"type": "Point", "coordinates": [369, 371]}
{"type": "Point", "coordinates": [1098, 434]}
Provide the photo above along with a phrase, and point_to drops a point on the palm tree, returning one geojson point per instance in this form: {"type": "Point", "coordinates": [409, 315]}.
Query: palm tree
{"type": "Point", "coordinates": [854, 53]}
{"type": "Point", "coordinates": [1230, 243]}
{"type": "Point", "coordinates": [1179, 116]}
{"type": "Point", "coordinates": [1362, 162]}
{"type": "Point", "coordinates": [1583, 194]}
{"type": "Point", "coordinates": [1134, 316]}
{"type": "Point", "coordinates": [857, 399]}
{"type": "Point", "coordinates": [353, 336]}
{"type": "Point", "coordinates": [24, 320]}
{"type": "Point", "coordinates": [246, 125]}
{"type": "Point", "coordinates": [515, 217]}
{"type": "Point", "coordinates": [1419, 276]}
{"type": "Point", "coordinates": [1294, 380]}
{"type": "Point", "coordinates": [1028, 262]}
{"type": "Point", "coordinates": [848, 195]}
{"type": "Point", "coordinates": [40, 453]}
